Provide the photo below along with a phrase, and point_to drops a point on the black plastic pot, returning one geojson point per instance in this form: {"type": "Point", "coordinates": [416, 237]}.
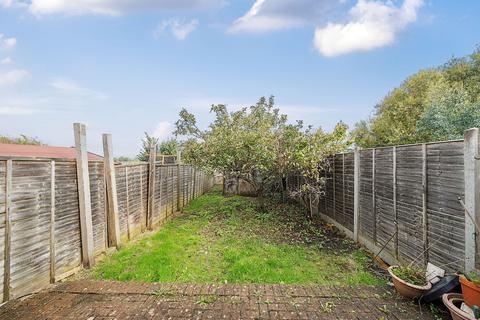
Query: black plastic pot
{"type": "Point", "coordinates": [445, 285]}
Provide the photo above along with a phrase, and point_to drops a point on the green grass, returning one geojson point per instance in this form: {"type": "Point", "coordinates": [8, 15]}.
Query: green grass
{"type": "Point", "coordinates": [230, 240]}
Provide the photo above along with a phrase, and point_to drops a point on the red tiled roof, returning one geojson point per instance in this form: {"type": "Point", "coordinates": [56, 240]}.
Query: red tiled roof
{"type": "Point", "coordinates": [22, 150]}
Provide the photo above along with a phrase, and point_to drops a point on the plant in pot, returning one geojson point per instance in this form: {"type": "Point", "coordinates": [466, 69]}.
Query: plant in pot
{"type": "Point", "coordinates": [409, 281]}
{"type": "Point", "coordinates": [471, 288]}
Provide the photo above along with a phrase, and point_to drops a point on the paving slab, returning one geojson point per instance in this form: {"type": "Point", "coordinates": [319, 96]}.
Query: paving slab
{"type": "Point", "coordinates": [95, 300]}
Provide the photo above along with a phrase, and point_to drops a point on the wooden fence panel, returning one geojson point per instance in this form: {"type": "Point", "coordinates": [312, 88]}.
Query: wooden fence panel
{"type": "Point", "coordinates": [367, 220]}
{"type": "Point", "coordinates": [44, 242]}
{"type": "Point", "coordinates": [172, 192]}
{"type": "Point", "coordinates": [30, 227]}
{"type": "Point", "coordinates": [409, 202]}
{"type": "Point", "coordinates": [349, 190]}
{"type": "Point", "coordinates": [175, 188]}
{"type": "Point", "coordinates": [339, 207]}
{"type": "Point", "coordinates": [385, 216]}
{"type": "Point", "coordinates": [329, 192]}
{"type": "Point", "coordinates": [157, 209]}
{"type": "Point", "coordinates": [164, 193]}
{"type": "Point", "coordinates": [68, 245]}
{"type": "Point", "coordinates": [134, 200]}
{"type": "Point", "coordinates": [120, 175]}
{"type": "Point", "coordinates": [3, 187]}
{"type": "Point", "coordinates": [97, 194]}
{"type": "Point", "coordinates": [144, 177]}
{"type": "Point", "coordinates": [446, 222]}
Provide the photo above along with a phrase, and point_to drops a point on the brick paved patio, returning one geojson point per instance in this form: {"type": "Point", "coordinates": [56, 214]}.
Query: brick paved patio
{"type": "Point", "coordinates": [121, 300]}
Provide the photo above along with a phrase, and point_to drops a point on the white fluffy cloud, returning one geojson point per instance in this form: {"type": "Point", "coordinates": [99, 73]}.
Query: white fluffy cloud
{"type": "Point", "coordinates": [367, 25]}
{"type": "Point", "coordinates": [272, 15]}
{"type": "Point", "coordinates": [108, 7]}
{"type": "Point", "coordinates": [178, 28]}
{"type": "Point", "coordinates": [7, 43]}
{"type": "Point", "coordinates": [371, 24]}
{"type": "Point", "coordinates": [163, 130]}
{"type": "Point", "coordinates": [13, 77]}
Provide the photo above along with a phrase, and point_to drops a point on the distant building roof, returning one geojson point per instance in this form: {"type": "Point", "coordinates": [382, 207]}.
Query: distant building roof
{"type": "Point", "coordinates": [23, 150]}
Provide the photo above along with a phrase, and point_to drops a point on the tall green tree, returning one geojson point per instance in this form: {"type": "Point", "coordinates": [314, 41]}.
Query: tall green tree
{"type": "Point", "coordinates": [450, 111]}
{"type": "Point", "coordinates": [166, 147]}
{"type": "Point", "coordinates": [258, 145]}
{"type": "Point", "coordinates": [433, 104]}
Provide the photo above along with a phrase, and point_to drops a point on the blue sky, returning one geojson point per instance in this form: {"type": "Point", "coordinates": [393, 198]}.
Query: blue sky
{"type": "Point", "coordinates": [129, 66]}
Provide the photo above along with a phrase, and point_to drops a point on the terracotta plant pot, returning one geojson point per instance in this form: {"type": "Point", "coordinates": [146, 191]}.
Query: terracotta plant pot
{"type": "Point", "coordinates": [406, 289]}
{"type": "Point", "coordinates": [453, 301]}
{"type": "Point", "coordinates": [470, 291]}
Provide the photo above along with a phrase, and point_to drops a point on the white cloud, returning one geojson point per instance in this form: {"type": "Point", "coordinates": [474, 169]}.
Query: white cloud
{"type": "Point", "coordinates": [163, 130]}
{"type": "Point", "coordinates": [179, 29]}
{"type": "Point", "coordinates": [107, 7]}
{"type": "Point", "coordinates": [272, 15]}
{"type": "Point", "coordinates": [372, 24]}
{"type": "Point", "coordinates": [7, 43]}
{"type": "Point", "coordinates": [68, 87]}
{"type": "Point", "coordinates": [6, 61]}
{"type": "Point", "coordinates": [13, 77]}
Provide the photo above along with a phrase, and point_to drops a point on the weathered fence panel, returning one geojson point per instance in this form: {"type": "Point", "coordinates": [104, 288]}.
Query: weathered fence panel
{"type": "Point", "coordinates": [68, 242]}
{"type": "Point", "coordinates": [97, 194]}
{"type": "Point", "coordinates": [446, 217]}
{"type": "Point", "coordinates": [407, 201]}
{"type": "Point", "coordinates": [3, 200]}
{"type": "Point", "coordinates": [40, 233]}
{"type": "Point", "coordinates": [30, 209]}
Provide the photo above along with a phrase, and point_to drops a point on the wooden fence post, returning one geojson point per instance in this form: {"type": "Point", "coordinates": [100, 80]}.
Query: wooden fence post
{"type": "Point", "coordinates": [85, 202]}
{"type": "Point", "coordinates": [179, 206]}
{"type": "Point", "coordinates": [374, 201]}
{"type": "Point", "coordinates": [113, 222]}
{"type": "Point", "coordinates": [395, 214]}
{"type": "Point", "coordinates": [151, 186]}
{"type": "Point", "coordinates": [334, 213]}
{"type": "Point", "coordinates": [356, 194]}
{"type": "Point", "coordinates": [472, 196]}
{"type": "Point", "coordinates": [171, 168]}
{"type": "Point", "coordinates": [424, 203]}
{"type": "Point", "coordinates": [52, 221]}
{"type": "Point", "coordinates": [343, 189]}
{"type": "Point", "coordinates": [194, 183]}
{"type": "Point", "coordinates": [6, 264]}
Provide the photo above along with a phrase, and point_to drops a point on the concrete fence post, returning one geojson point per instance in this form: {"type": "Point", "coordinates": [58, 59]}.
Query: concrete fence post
{"type": "Point", "coordinates": [113, 221]}
{"type": "Point", "coordinates": [356, 194]}
{"type": "Point", "coordinates": [472, 196]}
{"type": "Point", "coordinates": [84, 200]}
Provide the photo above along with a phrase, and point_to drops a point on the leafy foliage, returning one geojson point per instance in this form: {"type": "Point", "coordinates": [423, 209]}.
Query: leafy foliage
{"type": "Point", "coordinates": [449, 113]}
{"type": "Point", "coordinates": [167, 147]}
{"type": "Point", "coordinates": [258, 145]}
{"type": "Point", "coordinates": [23, 139]}
{"type": "Point", "coordinates": [434, 104]}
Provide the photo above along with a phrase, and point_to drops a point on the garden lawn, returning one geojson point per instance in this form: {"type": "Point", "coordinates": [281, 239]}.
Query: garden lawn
{"type": "Point", "coordinates": [231, 240]}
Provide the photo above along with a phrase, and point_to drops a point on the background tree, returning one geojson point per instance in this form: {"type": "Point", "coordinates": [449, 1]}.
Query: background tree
{"type": "Point", "coordinates": [239, 144]}
{"type": "Point", "coordinates": [23, 139]}
{"type": "Point", "coordinates": [258, 145]}
{"type": "Point", "coordinates": [450, 111]}
{"type": "Point", "coordinates": [166, 147]}
{"type": "Point", "coordinates": [434, 104]}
